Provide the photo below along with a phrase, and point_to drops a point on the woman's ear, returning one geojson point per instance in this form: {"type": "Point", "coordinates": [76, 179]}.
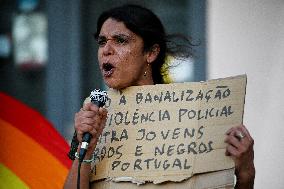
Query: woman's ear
{"type": "Point", "coordinates": [153, 53]}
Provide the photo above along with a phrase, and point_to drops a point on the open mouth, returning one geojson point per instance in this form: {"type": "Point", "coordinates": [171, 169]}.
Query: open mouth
{"type": "Point", "coordinates": [107, 69]}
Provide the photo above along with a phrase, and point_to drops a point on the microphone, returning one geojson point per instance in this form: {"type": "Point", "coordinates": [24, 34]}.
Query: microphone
{"type": "Point", "coordinates": [99, 98]}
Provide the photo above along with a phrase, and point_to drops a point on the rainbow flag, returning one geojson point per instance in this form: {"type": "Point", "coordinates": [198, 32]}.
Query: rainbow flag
{"type": "Point", "coordinates": [32, 152]}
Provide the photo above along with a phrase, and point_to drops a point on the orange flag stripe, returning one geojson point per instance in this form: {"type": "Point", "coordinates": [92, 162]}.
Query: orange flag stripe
{"type": "Point", "coordinates": [34, 125]}
{"type": "Point", "coordinates": [32, 163]}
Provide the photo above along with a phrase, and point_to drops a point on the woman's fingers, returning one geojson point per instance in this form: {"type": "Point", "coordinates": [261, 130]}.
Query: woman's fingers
{"type": "Point", "coordinates": [90, 119]}
{"type": "Point", "coordinates": [87, 113]}
{"type": "Point", "coordinates": [240, 148]}
{"type": "Point", "coordinates": [233, 141]}
{"type": "Point", "coordinates": [81, 129]}
{"type": "Point", "coordinates": [246, 134]}
{"type": "Point", "coordinates": [85, 120]}
{"type": "Point", "coordinates": [231, 150]}
{"type": "Point", "coordinates": [239, 142]}
{"type": "Point", "coordinates": [241, 133]}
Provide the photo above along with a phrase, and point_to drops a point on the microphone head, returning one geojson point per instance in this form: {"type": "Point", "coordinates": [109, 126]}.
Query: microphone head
{"type": "Point", "coordinates": [99, 97]}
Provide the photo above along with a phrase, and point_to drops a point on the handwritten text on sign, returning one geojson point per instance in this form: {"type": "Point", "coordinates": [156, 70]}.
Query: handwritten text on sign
{"type": "Point", "coordinates": [169, 132]}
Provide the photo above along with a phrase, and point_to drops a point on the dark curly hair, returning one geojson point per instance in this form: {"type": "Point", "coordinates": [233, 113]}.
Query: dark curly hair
{"type": "Point", "coordinates": [148, 26]}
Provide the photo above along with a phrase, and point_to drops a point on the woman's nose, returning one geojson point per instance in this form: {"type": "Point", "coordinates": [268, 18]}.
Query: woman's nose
{"type": "Point", "coordinates": [108, 48]}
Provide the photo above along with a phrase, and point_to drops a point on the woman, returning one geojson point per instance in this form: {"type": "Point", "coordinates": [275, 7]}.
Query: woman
{"type": "Point", "coordinates": [132, 50]}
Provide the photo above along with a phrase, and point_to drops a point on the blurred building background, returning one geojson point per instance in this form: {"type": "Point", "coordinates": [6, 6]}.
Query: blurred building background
{"type": "Point", "coordinates": [48, 59]}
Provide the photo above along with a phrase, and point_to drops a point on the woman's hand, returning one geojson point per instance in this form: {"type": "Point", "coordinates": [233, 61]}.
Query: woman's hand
{"type": "Point", "coordinates": [240, 148]}
{"type": "Point", "coordinates": [90, 119]}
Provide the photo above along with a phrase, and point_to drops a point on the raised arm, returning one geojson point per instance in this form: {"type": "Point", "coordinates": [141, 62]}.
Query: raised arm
{"type": "Point", "coordinates": [89, 119]}
{"type": "Point", "coordinates": [240, 148]}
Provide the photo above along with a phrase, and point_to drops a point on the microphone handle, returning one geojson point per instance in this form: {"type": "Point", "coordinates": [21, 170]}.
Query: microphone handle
{"type": "Point", "coordinates": [86, 138]}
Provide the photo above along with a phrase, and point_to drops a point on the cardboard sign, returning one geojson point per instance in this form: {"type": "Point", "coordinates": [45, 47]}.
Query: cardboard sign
{"type": "Point", "coordinates": [217, 180]}
{"type": "Point", "coordinates": [168, 132]}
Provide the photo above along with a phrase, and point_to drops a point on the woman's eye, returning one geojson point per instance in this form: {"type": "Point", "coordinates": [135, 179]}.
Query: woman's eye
{"type": "Point", "coordinates": [120, 40]}
{"type": "Point", "coordinates": [101, 41]}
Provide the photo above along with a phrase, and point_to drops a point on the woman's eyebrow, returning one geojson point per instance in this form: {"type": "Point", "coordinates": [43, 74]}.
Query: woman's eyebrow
{"type": "Point", "coordinates": [116, 34]}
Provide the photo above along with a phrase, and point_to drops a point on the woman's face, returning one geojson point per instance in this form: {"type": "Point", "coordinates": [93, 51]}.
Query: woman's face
{"type": "Point", "coordinates": [121, 57]}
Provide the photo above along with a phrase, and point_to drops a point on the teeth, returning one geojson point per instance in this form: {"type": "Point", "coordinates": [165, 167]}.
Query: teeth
{"type": "Point", "coordinates": [107, 69]}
